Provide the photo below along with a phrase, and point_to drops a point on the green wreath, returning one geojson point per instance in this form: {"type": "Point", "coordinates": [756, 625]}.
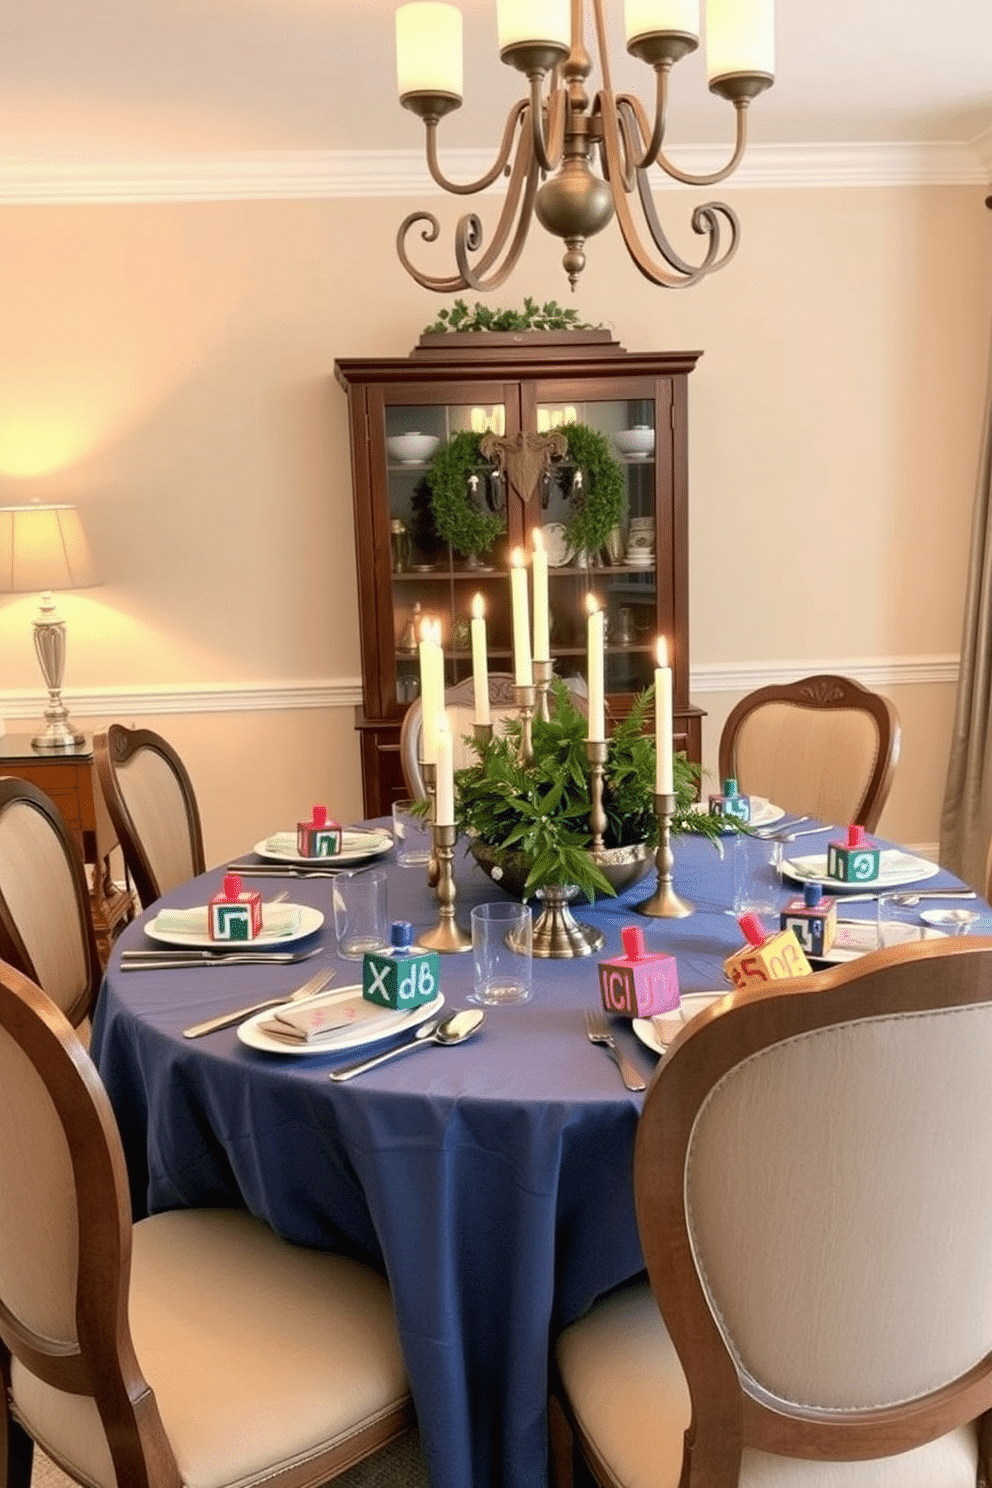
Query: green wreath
{"type": "Point", "coordinates": [597, 503]}
{"type": "Point", "coordinates": [458, 516]}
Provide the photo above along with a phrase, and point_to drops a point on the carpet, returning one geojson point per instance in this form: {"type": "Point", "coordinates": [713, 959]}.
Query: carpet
{"type": "Point", "coordinates": [399, 1465]}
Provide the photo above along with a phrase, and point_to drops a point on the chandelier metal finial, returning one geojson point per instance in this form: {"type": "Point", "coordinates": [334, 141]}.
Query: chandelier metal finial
{"type": "Point", "coordinates": [553, 139]}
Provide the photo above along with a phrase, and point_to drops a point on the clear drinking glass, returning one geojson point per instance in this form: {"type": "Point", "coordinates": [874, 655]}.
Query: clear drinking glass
{"type": "Point", "coordinates": [757, 874]}
{"type": "Point", "coordinates": [897, 922]}
{"type": "Point", "coordinates": [502, 939]}
{"type": "Point", "coordinates": [412, 834]}
{"type": "Point", "coordinates": [361, 922]}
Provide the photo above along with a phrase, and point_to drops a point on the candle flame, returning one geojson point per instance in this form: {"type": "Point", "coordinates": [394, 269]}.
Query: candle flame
{"type": "Point", "coordinates": [478, 607]}
{"type": "Point", "coordinates": [538, 537]}
{"type": "Point", "coordinates": [517, 558]}
{"type": "Point", "coordinates": [592, 604]}
{"type": "Point", "coordinates": [436, 632]}
{"type": "Point", "coordinates": [662, 651]}
{"type": "Point", "coordinates": [425, 629]}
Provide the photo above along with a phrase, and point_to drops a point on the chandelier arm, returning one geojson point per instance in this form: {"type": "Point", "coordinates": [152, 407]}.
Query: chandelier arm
{"type": "Point", "coordinates": [522, 190]}
{"type": "Point", "coordinates": [548, 146]}
{"type": "Point", "coordinates": [658, 157]}
{"type": "Point", "coordinates": [469, 188]}
{"type": "Point", "coordinates": [705, 219]}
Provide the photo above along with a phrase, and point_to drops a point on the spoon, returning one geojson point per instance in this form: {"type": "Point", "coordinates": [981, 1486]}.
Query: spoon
{"type": "Point", "coordinates": [454, 1029]}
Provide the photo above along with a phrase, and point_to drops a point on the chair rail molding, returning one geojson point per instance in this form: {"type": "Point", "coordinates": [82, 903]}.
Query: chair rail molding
{"type": "Point", "coordinates": [155, 699]}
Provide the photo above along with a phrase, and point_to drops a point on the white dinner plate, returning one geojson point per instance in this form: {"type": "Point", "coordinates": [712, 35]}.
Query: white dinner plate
{"type": "Point", "coordinates": [646, 1029]}
{"type": "Point", "coordinates": [763, 812]}
{"type": "Point", "coordinates": [391, 1021]}
{"type": "Point", "coordinates": [897, 869]}
{"type": "Point", "coordinates": [556, 544]}
{"type": "Point", "coordinates": [355, 847]}
{"type": "Point", "coordinates": [309, 921]}
{"type": "Point", "coordinates": [854, 941]}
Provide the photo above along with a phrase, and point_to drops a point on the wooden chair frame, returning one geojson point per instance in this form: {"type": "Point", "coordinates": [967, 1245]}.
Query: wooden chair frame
{"type": "Point", "coordinates": [14, 791]}
{"type": "Point", "coordinates": [114, 748]}
{"type": "Point", "coordinates": [727, 1416]}
{"type": "Point", "coordinates": [103, 1365]}
{"type": "Point", "coordinates": [826, 690]}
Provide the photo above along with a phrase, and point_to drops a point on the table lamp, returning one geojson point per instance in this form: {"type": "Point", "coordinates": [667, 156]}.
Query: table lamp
{"type": "Point", "coordinates": [44, 548]}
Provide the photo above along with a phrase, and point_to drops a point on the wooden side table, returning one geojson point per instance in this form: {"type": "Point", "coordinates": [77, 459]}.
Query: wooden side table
{"type": "Point", "coordinates": [69, 778]}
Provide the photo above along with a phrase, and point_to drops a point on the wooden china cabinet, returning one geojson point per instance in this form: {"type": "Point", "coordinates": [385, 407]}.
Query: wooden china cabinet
{"type": "Point", "coordinates": [507, 383]}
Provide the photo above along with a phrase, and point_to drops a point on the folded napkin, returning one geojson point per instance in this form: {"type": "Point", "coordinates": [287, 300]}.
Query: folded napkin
{"type": "Point", "coordinates": [277, 920]}
{"type": "Point", "coordinates": [314, 1024]}
{"type": "Point", "coordinates": [351, 842]}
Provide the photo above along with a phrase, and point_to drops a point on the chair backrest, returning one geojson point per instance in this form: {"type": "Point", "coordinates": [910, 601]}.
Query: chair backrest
{"type": "Point", "coordinates": [459, 702]}
{"type": "Point", "coordinates": [824, 745]}
{"type": "Point", "coordinates": [152, 804]}
{"type": "Point", "coordinates": [65, 1239]}
{"type": "Point", "coordinates": [813, 1180]}
{"type": "Point", "coordinates": [46, 924]}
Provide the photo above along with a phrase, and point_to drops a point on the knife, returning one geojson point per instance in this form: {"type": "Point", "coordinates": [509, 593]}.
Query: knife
{"type": "Point", "coordinates": [164, 960]}
{"type": "Point", "coordinates": [273, 870]}
{"type": "Point", "coordinates": [907, 894]}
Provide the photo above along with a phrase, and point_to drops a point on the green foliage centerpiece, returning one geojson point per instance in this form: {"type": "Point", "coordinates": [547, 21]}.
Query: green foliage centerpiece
{"type": "Point", "coordinates": [528, 825]}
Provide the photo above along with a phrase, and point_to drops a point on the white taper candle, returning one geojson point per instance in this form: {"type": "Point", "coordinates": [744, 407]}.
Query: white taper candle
{"type": "Point", "coordinates": [664, 780]}
{"type": "Point", "coordinates": [480, 662]}
{"type": "Point", "coordinates": [594, 667]}
{"type": "Point", "coordinates": [542, 619]}
{"type": "Point", "coordinates": [444, 799]}
{"type": "Point", "coordinates": [523, 672]}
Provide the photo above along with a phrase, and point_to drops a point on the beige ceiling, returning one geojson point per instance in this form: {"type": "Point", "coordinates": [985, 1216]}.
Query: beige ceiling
{"type": "Point", "coordinates": [109, 79]}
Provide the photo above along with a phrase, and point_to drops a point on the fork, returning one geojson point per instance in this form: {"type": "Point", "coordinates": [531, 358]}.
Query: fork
{"type": "Point", "coordinates": [224, 1020]}
{"type": "Point", "coordinates": [775, 829]}
{"type": "Point", "coordinates": [598, 1033]}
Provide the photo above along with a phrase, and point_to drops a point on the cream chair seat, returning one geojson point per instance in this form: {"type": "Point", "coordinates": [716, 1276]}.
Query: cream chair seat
{"type": "Point", "coordinates": [152, 804]}
{"type": "Point", "coordinates": [46, 924]}
{"type": "Point", "coordinates": [813, 1181]}
{"type": "Point", "coordinates": [824, 746]}
{"type": "Point", "coordinates": [194, 1348]}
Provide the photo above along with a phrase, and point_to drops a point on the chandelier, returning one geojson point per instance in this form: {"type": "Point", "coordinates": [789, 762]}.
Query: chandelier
{"type": "Point", "coordinates": [552, 137]}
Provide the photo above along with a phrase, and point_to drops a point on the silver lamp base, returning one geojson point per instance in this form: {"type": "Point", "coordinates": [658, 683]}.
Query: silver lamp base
{"type": "Point", "coordinates": [49, 644]}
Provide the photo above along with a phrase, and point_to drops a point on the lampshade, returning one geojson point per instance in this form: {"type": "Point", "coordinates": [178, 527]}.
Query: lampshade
{"type": "Point", "coordinates": [43, 547]}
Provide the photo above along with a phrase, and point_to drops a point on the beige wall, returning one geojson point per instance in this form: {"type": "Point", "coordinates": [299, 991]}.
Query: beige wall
{"type": "Point", "coordinates": [170, 368]}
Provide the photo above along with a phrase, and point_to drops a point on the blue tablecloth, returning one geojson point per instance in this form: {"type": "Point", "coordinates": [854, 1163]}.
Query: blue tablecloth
{"type": "Point", "coordinates": [492, 1181]}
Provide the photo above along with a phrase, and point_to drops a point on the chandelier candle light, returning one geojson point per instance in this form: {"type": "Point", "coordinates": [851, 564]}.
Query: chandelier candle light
{"type": "Point", "coordinates": [542, 625]}
{"type": "Point", "coordinates": [664, 902]}
{"type": "Point", "coordinates": [552, 137]}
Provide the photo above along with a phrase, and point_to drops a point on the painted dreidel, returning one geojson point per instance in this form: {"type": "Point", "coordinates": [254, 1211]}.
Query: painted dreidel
{"type": "Point", "coordinates": [812, 919]}
{"type": "Point", "coordinates": [638, 984]}
{"type": "Point", "coordinates": [854, 861]}
{"type": "Point", "coordinates": [765, 958]}
{"type": "Point", "coordinates": [319, 837]}
{"type": "Point", "coordinates": [401, 977]}
{"type": "Point", "coordinates": [731, 803]}
{"type": "Point", "coordinates": [234, 914]}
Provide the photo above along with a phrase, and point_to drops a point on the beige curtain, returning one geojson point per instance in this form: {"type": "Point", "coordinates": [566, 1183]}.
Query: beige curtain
{"type": "Point", "coordinates": [966, 825]}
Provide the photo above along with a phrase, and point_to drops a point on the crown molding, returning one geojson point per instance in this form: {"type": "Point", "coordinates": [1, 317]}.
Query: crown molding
{"type": "Point", "coordinates": [302, 175]}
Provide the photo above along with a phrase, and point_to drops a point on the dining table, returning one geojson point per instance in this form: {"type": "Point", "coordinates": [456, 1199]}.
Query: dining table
{"type": "Point", "coordinates": [491, 1181]}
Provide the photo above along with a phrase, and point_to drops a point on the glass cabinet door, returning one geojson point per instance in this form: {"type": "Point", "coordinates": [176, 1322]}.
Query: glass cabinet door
{"type": "Point", "coordinates": [623, 574]}
{"type": "Point", "coordinates": [431, 580]}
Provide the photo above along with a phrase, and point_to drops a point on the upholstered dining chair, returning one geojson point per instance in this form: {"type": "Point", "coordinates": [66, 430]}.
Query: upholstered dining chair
{"type": "Point", "coordinates": [46, 927]}
{"type": "Point", "coordinates": [813, 1182]}
{"type": "Point", "coordinates": [194, 1347]}
{"type": "Point", "coordinates": [152, 804]}
{"type": "Point", "coordinates": [459, 702]}
{"type": "Point", "coordinates": [823, 745]}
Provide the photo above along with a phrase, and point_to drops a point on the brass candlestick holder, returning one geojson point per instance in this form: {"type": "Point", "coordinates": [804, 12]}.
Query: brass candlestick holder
{"type": "Point", "coordinates": [447, 936]}
{"type": "Point", "coordinates": [596, 753]}
{"type": "Point", "coordinates": [543, 672]}
{"type": "Point", "coordinates": [526, 699]}
{"type": "Point", "coordinates": [664, 902]}
{"type": "Point", "coordinates": [429, 772]}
